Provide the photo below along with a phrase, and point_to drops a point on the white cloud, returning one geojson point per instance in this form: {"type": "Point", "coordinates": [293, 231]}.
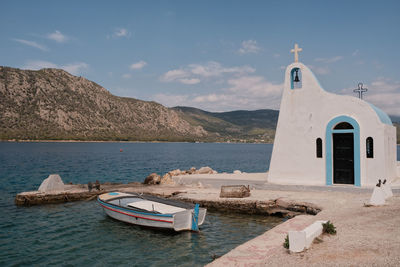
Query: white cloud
{"type": "Point", "coordinates": [121, 32]}
{"type": "Point", "coordinates": [38, 64]}
{"type": "Point", "coordinates": [31, 44]}
{"type": "Point", "coordinates": [193, 73]}
{"type": "Point", "coordinates": [126, 76]}
{"type": "Point", "coordinates": [383, 93]}
{"type": "Point", "coordinates": [245, 92]}
{"type": "Point", "coordinates": [213, 69]}
{"type": "Point", "coordinates": [210, 98]}
{"type": "Point", "coordinates": [189, 81]}
{"type": "Point", "coordinates": [174, 75]}
{"type": "Point", "coordinates": [233, 88]}
{"type": "Point", "coordinates": [172, 100]}
{"type": "Point", "coordinates": [138, 65]}
{"type": "Point", "coordinates": [57, 36]}
{"type": "Point", "coordinates": [254, 86]}
{"type": "Point", "coordinates": [73, 68]}
{"type": "Point", "coordinates": [328, 60]}
{"type": "Point", "coordinates": [249, 46]}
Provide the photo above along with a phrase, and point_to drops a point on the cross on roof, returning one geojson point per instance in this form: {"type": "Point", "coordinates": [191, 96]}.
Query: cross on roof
{"type": "Point", "coordinates": [360, 90]}
{"type": "Point", "coordinates": [296, 51]}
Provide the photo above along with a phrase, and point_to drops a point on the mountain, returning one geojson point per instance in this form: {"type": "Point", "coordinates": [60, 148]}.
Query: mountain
{"type": "Point", "coordinates": [254, 126]}
{"type": "Point", "coordinates": [396, 123]}
{"type": "Point", "coordinates": [243, 125]}
{"type": "Point", "coordinates": [395, 119]}
{"type": "Point", "coordinates": [53, 104]}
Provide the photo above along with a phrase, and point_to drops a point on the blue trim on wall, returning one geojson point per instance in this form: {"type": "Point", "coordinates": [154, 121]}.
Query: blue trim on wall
{"type": "Point", "coordinates": [329, 150]}
{"type": "Point", "coordinates": [343, 131]}
{"type": "Point", "coordinates": [382, 115]}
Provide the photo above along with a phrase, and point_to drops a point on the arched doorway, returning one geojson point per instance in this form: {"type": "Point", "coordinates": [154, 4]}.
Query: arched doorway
{"type": "Point", "coordinates": [343, 151]}
{"type": "Point", "coordinates": [343, 154]}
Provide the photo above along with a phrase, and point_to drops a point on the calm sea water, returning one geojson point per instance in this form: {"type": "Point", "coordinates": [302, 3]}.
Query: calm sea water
{"type": "Point", "coordinates": [79, 233]}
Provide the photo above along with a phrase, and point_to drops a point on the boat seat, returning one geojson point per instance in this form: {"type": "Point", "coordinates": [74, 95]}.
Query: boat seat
{"type": "Point", "coordinates": [155, 206]}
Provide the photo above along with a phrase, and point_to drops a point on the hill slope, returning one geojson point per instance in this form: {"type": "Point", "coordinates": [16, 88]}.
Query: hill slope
{"type": "Point", "coordinates": [243, 125]}
{"type": "Point", "coordinates": [257, 125]}
{"type": "Point", "coordinates": [53, 104]}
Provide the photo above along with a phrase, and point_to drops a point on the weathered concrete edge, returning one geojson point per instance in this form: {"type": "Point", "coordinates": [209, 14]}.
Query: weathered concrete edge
{"type": "Point", "coordinates": [79, 194]}
{"type": "Point", "coordinates": [257, 250]}
{"type": "Point", "coordinates": [24, 199]}
{"type": "Point", "coordinates": [274, 207]}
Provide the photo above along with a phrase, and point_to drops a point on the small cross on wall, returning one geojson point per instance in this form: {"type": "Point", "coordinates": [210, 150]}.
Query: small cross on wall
{"type": "Point", "coordinates": [296, 51]}
{"type": "Point", "coordinates": [360, 90]}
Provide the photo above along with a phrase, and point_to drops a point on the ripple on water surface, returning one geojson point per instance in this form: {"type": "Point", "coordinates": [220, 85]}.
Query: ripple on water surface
{"type": "Point", "coordinates": [80, 233]}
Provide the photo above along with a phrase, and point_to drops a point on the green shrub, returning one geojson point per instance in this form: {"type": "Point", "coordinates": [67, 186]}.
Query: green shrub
{"type": "Point", "coordinates": [286, 243]}
{"type": "Point", "coordinates": [329, 228]}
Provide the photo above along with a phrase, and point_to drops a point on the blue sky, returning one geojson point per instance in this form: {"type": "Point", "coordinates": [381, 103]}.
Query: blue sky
{"type": "Point", "coordinates": [214, 55]}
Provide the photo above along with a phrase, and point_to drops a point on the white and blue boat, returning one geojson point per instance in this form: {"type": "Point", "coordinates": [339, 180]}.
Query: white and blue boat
{"type": "Point", "coordinates": [151, 211]}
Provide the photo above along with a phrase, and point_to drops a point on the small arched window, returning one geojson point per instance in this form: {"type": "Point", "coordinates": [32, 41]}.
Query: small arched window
{"type": "Point", "coordinates": [296, 78]}
{"type": "Point", "coordinates": [370, 147]}
{"type": "Point", "coordinates": [319, 147]}
{"type": "Point", "coordinates": [343, 126]}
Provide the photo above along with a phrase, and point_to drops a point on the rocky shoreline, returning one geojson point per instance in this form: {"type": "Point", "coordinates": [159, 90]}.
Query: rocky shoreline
{"type": "Point", "coordinates": [273, 207]}
{"type": "Point", "coordinates": [165, 186]}
{"type": "Point", "coordinates": [154, 178]}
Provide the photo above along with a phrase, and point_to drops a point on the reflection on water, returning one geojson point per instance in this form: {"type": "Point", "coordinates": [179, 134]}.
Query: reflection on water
{"type": "Point", "coordinates": [79, 233]}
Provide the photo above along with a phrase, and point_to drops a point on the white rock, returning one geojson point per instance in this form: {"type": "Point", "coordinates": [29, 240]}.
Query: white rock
{"type": "Point", "coordinates": [387, 190]}
{"type": "Point", "coordinates": [378, 197]}
{"type": "Point", "coordinates": [51, 184]}
{"type": "Point", "coordinates": [237, 172]}
{"type": "Point", "coordinates": [204, 170]}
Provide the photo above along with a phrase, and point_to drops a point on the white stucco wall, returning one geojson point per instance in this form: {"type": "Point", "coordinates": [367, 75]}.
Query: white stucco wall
{"type": "Point", "coordinates": [304, 115]}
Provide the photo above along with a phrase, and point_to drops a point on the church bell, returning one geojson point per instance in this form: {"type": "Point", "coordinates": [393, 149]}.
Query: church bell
{"type": "Point", "coordinates": [296, 78]}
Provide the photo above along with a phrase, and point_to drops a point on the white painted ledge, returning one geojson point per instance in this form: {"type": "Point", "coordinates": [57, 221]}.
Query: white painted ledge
{"type": "Point", "coordinates": [301, 240]}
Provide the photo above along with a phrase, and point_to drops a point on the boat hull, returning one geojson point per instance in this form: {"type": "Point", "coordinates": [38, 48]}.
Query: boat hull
{"type": "Point", "coordinates": [143, 219]}
{"type": "Point", "coordinates": [184, 220]}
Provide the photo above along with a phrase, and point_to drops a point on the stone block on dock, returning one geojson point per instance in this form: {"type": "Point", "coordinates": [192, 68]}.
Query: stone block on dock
{"type": "Point", "coordinates": [234, 191]}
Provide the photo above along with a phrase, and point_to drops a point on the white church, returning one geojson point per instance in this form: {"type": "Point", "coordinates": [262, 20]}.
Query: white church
{"type": "Point", "coordinates": [328, 139]}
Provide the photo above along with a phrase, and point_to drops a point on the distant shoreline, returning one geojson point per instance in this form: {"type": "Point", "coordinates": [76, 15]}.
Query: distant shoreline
{"type": "Point", "coordinates": [113, 141]}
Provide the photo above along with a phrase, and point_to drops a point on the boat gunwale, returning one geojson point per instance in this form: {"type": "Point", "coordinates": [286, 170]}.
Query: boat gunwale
{"type": "Point", "coordinates": [129, 209]}
{"type": "Point", "coordinates": [136, 216]}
